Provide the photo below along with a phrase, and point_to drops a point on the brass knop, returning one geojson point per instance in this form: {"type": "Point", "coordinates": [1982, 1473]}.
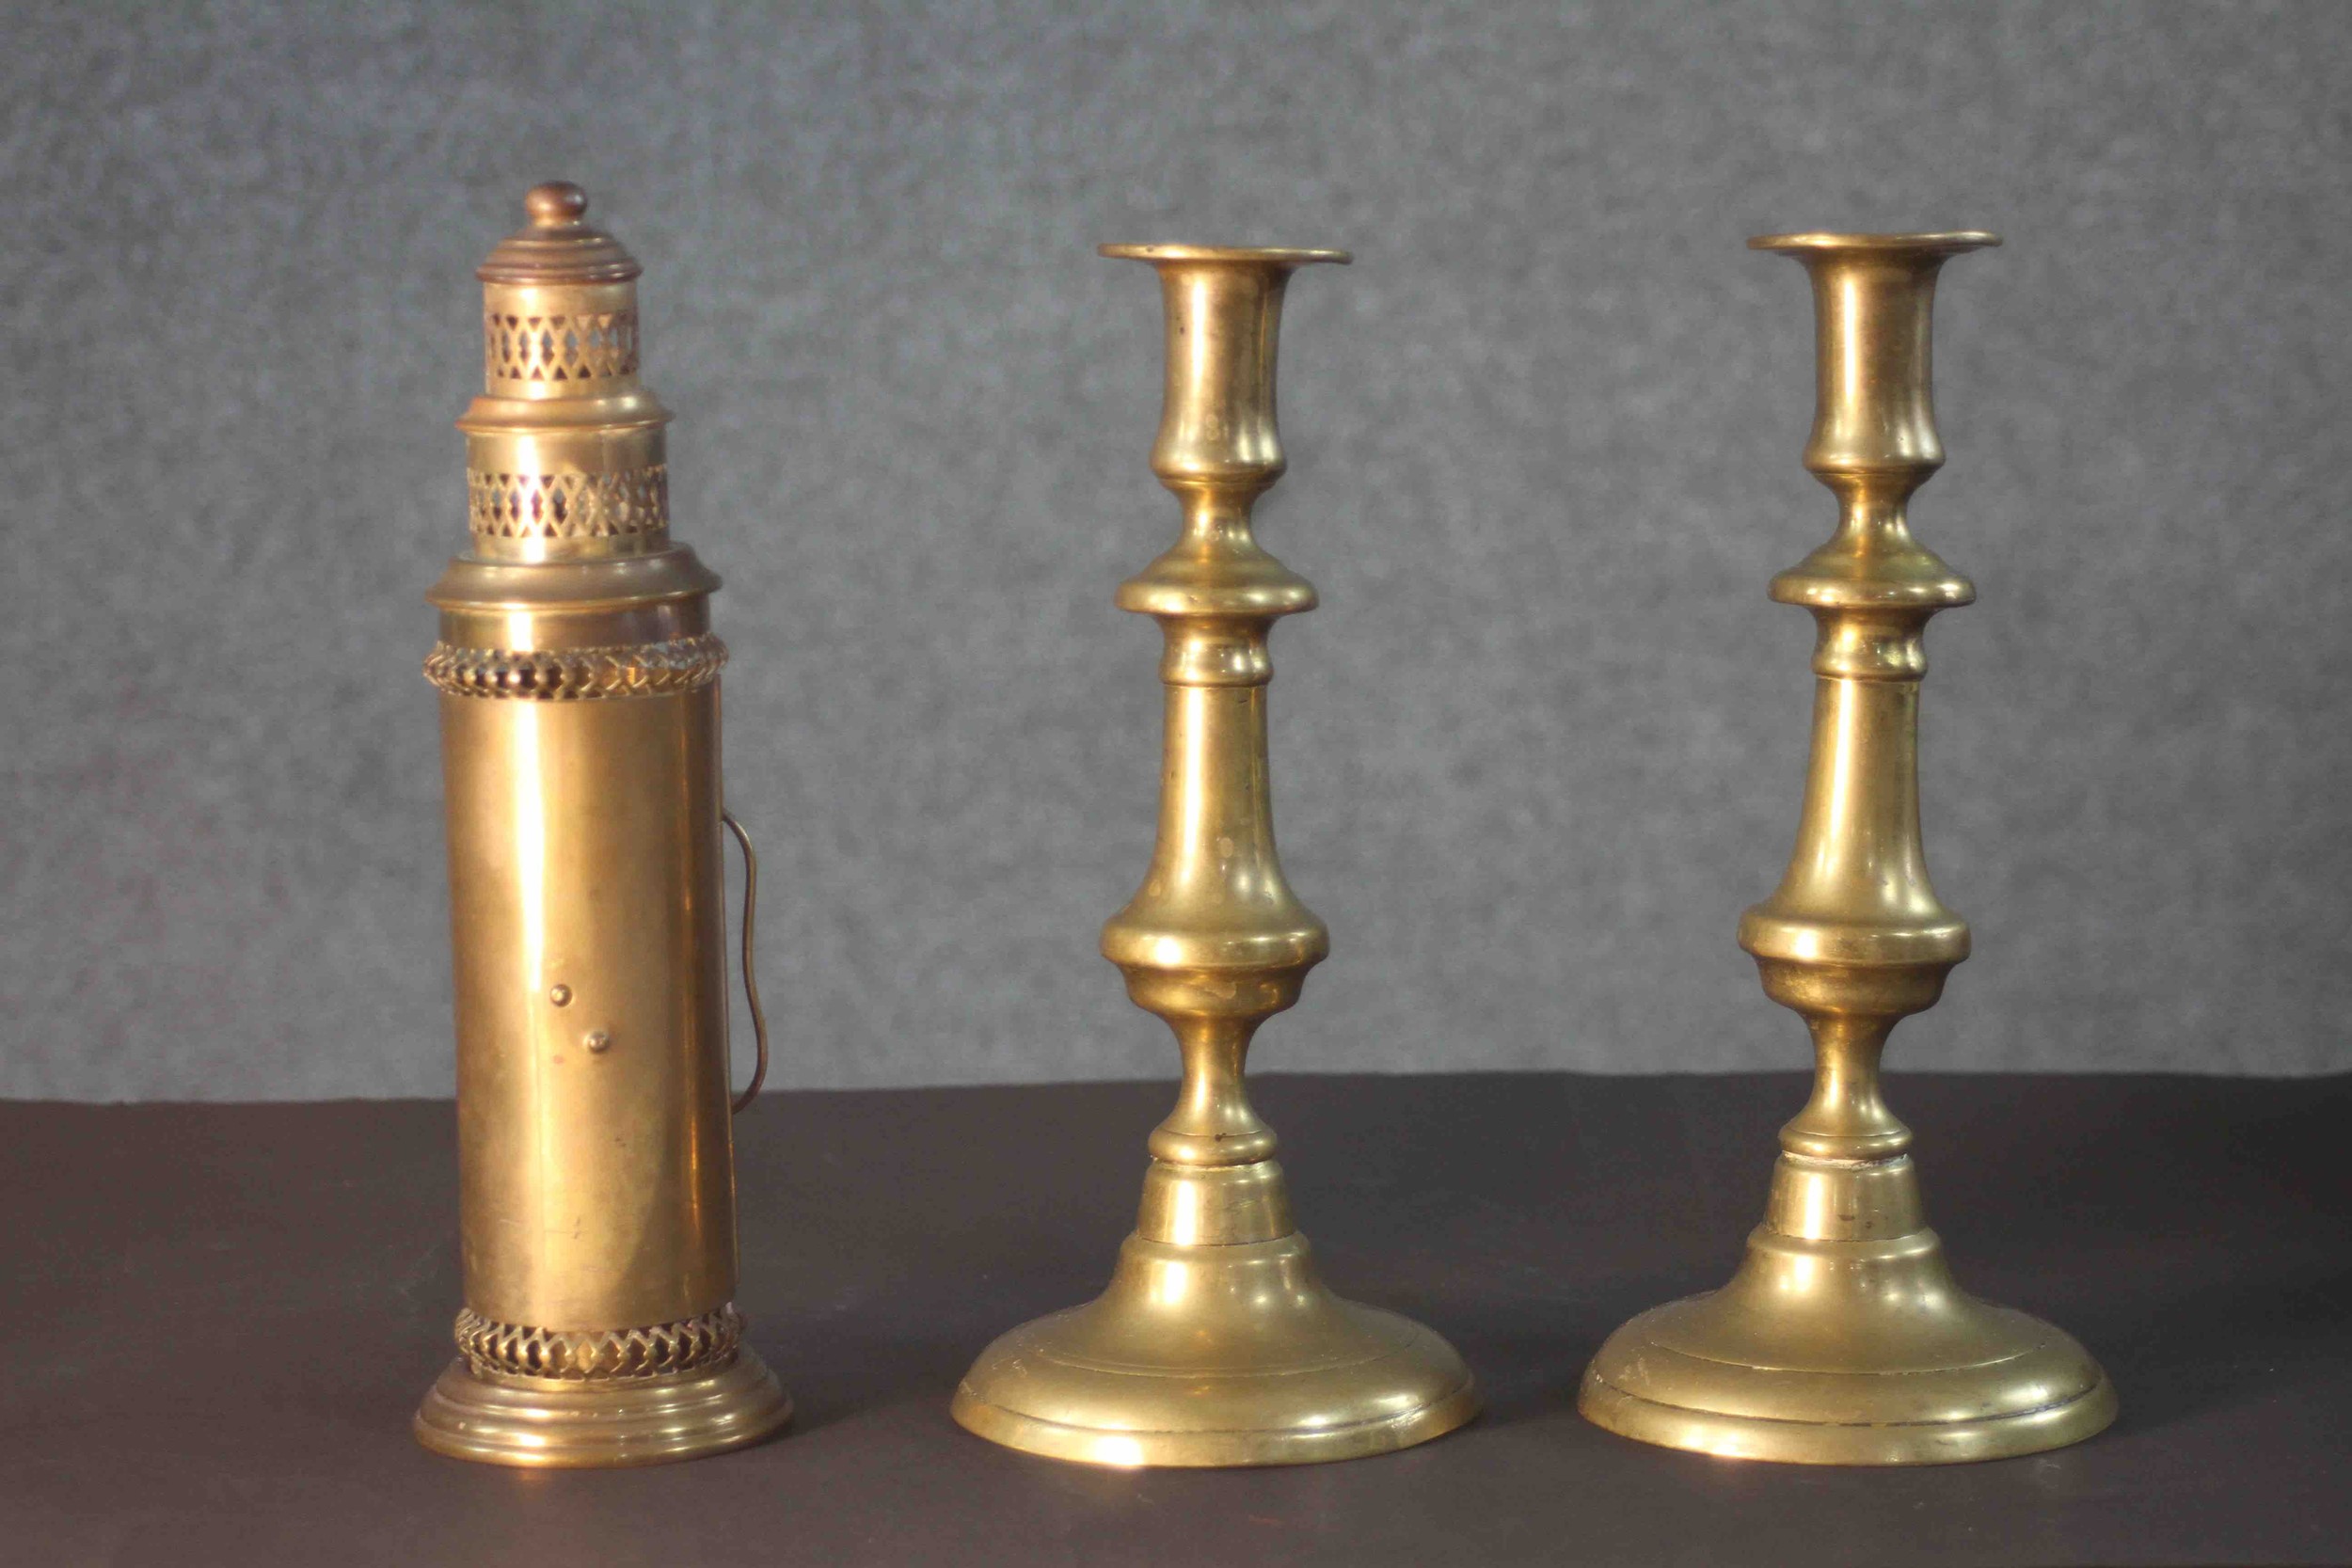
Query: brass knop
{"type": "Point", "coordinates": [558, 246]}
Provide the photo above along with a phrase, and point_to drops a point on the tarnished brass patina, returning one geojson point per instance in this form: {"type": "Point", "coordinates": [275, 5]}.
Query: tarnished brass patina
{"type": "Point", "coordinates": [579, 731]}
{"type": "Point", "coordinates": [1842, 1339]}
{"type": "Point", "coordinates": [1215, 1343]}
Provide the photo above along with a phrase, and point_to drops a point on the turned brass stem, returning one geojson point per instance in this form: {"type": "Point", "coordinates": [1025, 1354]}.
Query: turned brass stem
{"type": "Point", "coordinates": [1212, 1123]}
{"type": "Point", "coordinates": [1215, 942]}
{"type": "Point", "coordinates": [1845, 1118]}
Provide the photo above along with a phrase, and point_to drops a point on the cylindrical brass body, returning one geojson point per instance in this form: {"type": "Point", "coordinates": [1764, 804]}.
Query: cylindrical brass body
{"type": "Point", "coordinates": [580, 725]}
{"type": "Point", "coordinates": [591, 1094]}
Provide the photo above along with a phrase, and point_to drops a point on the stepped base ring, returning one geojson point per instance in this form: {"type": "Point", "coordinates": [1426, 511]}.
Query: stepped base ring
{"type": "Point", "coordinates": [549, 1423]}
{"type": "Point", "coordinates": [1202, 1450]}
{"type": "Point", "coordinates": [2046, 1394]}
{"type": "Point", "coordinates": [1419, 1386]}
{"type": "Point", "coordinates": [1403, 1390]}
{"type": "Point", "coordinates": [1215, 1356]}
{"type": "Point", "coordinates": [1672, 1426]}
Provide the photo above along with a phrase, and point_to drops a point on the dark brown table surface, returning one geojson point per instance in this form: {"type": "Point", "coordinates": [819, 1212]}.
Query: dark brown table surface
{"type": "Point", "coordinates": [218, 1320]}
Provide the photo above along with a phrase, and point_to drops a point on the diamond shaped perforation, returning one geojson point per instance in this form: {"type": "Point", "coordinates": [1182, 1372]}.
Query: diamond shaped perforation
{"type": "Point", "coordinates": [567, 505]}
{"type": "Point", "coordinates": [559, 350]}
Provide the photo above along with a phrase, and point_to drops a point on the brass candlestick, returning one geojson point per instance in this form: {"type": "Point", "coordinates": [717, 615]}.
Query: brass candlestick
{"type": "Point", "coordinates": [1842, 1339]}
{"type": "Point", "coordinates": [580, 740]}
{"type": "Point", "coordinates": [1215, 1343]}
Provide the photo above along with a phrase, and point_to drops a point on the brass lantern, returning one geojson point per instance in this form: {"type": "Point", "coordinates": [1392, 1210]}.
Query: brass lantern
{"type": "Point", "coordinates": [578, 684]}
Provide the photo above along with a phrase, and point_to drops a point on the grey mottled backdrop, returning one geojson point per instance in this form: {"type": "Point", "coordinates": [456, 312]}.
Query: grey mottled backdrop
{"type": "Point", "coordinates": [1544, 738]}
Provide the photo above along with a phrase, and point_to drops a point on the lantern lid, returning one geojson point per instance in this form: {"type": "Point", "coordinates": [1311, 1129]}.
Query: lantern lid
{"type": "Point", "coordinates": [558, 246]}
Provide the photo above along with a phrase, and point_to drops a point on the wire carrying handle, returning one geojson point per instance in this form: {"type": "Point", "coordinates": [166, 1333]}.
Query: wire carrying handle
{"type": "Point", "coordinates": [750, 985]}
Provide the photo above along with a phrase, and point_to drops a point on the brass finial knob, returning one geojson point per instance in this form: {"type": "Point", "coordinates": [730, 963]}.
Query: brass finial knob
{"type": "Point", "coordinates": [558, 248]}
{"type": "Point", "coordinates": [556, 204]}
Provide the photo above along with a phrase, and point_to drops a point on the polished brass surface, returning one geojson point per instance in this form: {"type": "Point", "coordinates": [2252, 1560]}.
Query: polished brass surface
{"type": "Point", "coordinates": [1215, 1343]}
{"type": "Point", "coordinates": [1843, 1340]}
{"type": "Point", "coordinates": [580, 722]}
{"type": "Point", "coordinates": [607, 1423]}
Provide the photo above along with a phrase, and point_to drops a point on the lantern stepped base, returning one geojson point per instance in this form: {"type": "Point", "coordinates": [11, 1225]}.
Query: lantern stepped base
{"type": "Point", "coordinates": [561, 1423]}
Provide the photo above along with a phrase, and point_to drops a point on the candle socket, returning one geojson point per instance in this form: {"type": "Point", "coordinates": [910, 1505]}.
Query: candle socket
{"type": "Point", "coordinates": [1842, 1339]}
{"type": "Point", "coordinates": [579, 742]}
{"type": "Point", "coordinates": [1215, 1343]}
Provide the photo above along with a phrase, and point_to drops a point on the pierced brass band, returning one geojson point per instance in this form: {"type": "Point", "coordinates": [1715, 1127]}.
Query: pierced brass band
{"type": "Point", "coordinates": [524, 351]}
{"type": "Point", "coordinates": [660, 1349]}
{"type": "Point", "coordinates": [567, 505]}
{"type": "Point", "coordinates": [578, 674]}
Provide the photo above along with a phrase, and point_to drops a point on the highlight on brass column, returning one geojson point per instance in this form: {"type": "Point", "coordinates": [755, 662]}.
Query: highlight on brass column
{"type": "Point", "coordinates": [580, 745]}
{"type": "Point", "coordinates": [1843, 1340]}
{"type": "Point", "coordinates": [1215, 1343]}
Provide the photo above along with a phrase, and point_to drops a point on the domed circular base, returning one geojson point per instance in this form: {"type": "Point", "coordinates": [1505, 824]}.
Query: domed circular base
{"type": "Point", "coordinates": [1938, 1379]}
{"type": "Point", "coordinates": [591, 1423]}
{"type": "Point", "coordinates": [1215, 1356]}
